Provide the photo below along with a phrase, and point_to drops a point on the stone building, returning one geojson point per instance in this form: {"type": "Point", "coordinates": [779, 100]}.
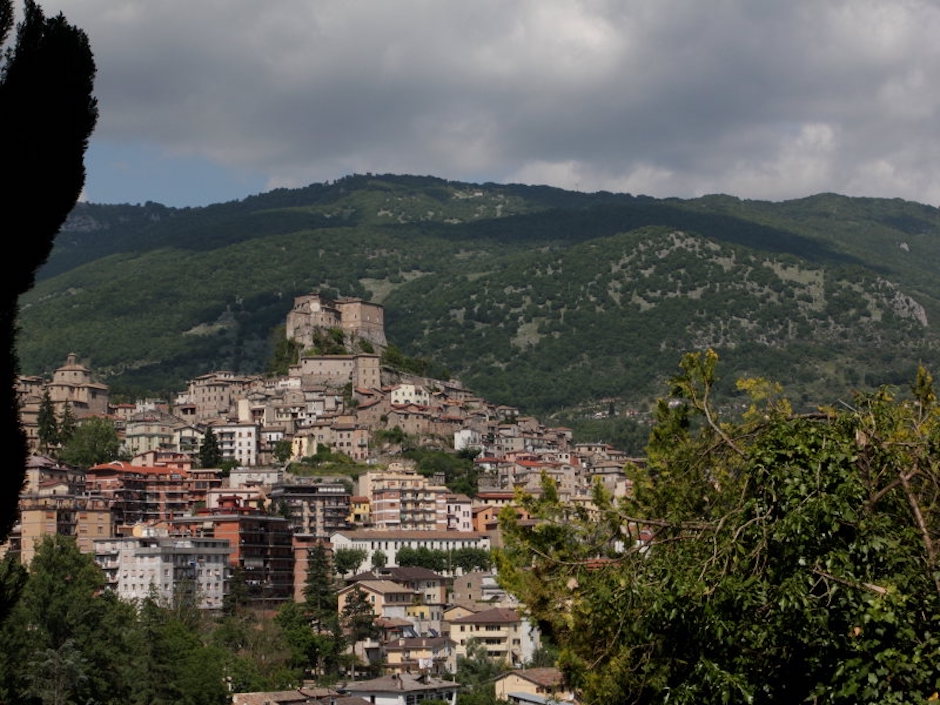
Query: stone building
{"type": "Point", "coordinates": [358, 319]}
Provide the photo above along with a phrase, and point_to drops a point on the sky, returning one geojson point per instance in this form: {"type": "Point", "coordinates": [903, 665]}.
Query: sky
{"type": "Point", "coordinates": [204, 101]}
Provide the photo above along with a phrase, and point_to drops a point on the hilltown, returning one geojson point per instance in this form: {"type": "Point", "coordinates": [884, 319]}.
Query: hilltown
{"type": "Point", "coordinates": [157, 520]}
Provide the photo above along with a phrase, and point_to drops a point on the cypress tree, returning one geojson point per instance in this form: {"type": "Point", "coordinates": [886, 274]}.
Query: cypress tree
{"type": "Point", "coordinates": [47, 113]}
{"type": "Point", "coordinates": [66, 424]}
{"type": "Point", "coordinates": [48, 426]}
{"type": "Point", "coordinates": [210, 455]}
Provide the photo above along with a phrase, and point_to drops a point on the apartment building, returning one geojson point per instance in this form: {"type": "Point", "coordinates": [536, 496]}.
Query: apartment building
{"type": "Point", "coordinates": [171, 568]}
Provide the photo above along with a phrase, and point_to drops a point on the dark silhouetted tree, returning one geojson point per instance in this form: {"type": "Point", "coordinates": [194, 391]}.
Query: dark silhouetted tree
{"type": "Point", "coordinates": [210, 455]}
{"type": "Point", "coordinates": [48, 425]}
{"type": "Point", "coordinates": [47, 113]}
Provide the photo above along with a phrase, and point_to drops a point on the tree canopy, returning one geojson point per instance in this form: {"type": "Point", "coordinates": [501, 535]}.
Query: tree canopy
{"type": "Point", "coordinates": [779, 558]}
{"type": "Point", "coordinates": [94, 441]}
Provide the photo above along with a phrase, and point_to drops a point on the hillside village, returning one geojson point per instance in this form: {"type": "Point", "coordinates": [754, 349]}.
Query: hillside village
{"type": "Point", "coordinates": [417, 550]}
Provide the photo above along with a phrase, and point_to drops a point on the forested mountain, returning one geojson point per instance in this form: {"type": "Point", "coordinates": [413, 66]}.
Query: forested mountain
{"type": "Point", "coordinates": [534, 296]}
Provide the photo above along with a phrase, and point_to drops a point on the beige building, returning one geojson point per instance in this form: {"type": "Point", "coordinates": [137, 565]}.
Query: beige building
{"type": "Point", "coordinates": [388, 599]}
{"type": "Point", "coordinates": [72, 384]}
{"type": "Point", "coordinates": [355, 317]}
{"type": "Point", "coordinates": [506, 636]}
{"type": "Point", "coordinates": [434, 655]}
{"type": "Point", "coordinates": [360, 370]}
{"type": "Point", "coordinates": [85, 518]}
{"type": "Point", "coordinates": [405, 500]}
{"type": "Point", "coordinates": [544, 683]}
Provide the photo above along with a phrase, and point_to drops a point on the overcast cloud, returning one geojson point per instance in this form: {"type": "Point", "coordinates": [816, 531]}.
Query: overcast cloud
{"type": "Point", "coordinates": [208, 100]}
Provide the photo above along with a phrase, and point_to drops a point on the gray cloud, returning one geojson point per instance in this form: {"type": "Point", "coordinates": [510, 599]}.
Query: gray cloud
{"type": "Point", "coordinates": [673, 97]}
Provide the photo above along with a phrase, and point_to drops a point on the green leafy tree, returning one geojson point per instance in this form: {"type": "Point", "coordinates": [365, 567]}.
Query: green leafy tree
{"type": "Point", "coordinates": [476, 672]}
{"type": "Point", "coordinates": [316, 649]}
{"type": "Point", "coordinates": [48, 425]}
{"type": "Point", "coordinates": [778, 558]}
{"type": "Point", "coordinates": [286, 352]}
{"type": "Point", "coordinates": [47, 113]}
{"type": "Point", "coordinates": [210, 455]}
{"type": "Point", "coordinates": [379, 559]}
{"type": "Point", "coordinates": [283, 450]}
{"type": "Point", "coordinates": [94, 441]}
{"type": "Point", "coordinates": [63, 639]}
{"type": "Point", "coordinates": [346, 560]}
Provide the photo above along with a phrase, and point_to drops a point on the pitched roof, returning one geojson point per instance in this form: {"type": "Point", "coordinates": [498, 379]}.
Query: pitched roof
{"type": "Point", "coordinates": [398, 683]}
{"type": "Point", "coordinates": [496, 615]}
{"type": "Point", "coordinates": [547, 677]}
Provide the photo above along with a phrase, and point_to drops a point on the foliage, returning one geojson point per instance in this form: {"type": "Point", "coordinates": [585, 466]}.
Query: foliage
{"type": "Point", "coordinates": [314, 647]}
{"type": "Point", "coordinates": [780, 558]}
{"type": "Point", "coordinates": [48, 424]}
{"type": "Point", "coordinates": [283, 450]}
{"type": "Point", "coordinates": [286, 352]}
{"type": "Point", "coordinates": [65, 640]}
{"type": "Point", "coordinates": [358, 617]}
{"type": "Point", "coordinates": [210, 453]}
{"type": "Point", "coordinates": [467, 559]}
{"type": "Point", "coordinates": [94, 441]}
{"type": "Point", "coordinates": [319, 594]}
{"type": "Point", "coordinates": [476, 672]}
{"type": "Point", "coordinates": [61, 639]}
{"type": "Point", "coordinates": [379, 559]}
{"type": "Point", "coordinates": [346, 560]}
{"type": "Point", "coordinates": [461, 474]}
{"type": "Point", "coordinates": [67, 424]}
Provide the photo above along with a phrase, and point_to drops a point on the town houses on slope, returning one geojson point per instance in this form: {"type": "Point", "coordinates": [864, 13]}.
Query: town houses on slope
{"type": "Point", "coordinates": [157, 517]}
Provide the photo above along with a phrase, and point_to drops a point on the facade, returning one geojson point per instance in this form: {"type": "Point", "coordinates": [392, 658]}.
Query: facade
{"type": "Point", "coordinates": [434, 655]}
{"type": "Point", "coordinates": [72, 384]}
{"type": "Point", "coordinates": [388, 599]}
{"type": "Point", "coordinates": [355, 317]}
{"type": "Point", "coordinates": [546, 684]}
{"type": "Point", "coordinates": [334, 371]}
{"type": "Point", "coordinates": [260, 547]}
{"type": "Point", "coordinates": [390, 542]}
{"type": "Point", "coordinates": [404, 501]}
{"type": "Point", "coordinates": [404, 689]}
{"type": "Point", "coordinates": [138, 493]}
{"type": "Point", "coordinates": [85, 518]}
{"type": "Point", "coordinates": [170, 567]}
{"type": "Point", "coordinates": [319, 509]}
{"type": "Point", "coordinates": [239, 442]}
{"type": "Point", "coordinates": [503, 632]}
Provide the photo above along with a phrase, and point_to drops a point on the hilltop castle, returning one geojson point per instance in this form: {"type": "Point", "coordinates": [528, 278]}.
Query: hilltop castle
{"type": "Point", "coordinates": [355, 317]}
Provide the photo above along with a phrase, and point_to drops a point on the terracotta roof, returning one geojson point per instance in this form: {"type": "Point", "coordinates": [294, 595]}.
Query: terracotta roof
{"type": "Point", "coordinates": [121, 466]}
{"type": "Point", "coordinates": [496, 615]}
{"type": "Point", "coordinates": [547, 677]}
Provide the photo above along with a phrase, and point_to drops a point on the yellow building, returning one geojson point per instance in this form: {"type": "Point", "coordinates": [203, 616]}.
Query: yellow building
{"type": "Point", "coordinates": [545, 683]}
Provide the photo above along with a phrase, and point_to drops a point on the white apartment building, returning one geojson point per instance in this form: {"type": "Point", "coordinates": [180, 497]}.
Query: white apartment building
{"type": "Point", "coordinates": [138, 566]}
{"type": "Point", "coordinates": [239, 442]}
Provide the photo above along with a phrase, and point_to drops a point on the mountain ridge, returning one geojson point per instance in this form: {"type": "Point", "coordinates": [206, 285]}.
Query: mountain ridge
{"type": "Point", "coordinates": [825, 291]}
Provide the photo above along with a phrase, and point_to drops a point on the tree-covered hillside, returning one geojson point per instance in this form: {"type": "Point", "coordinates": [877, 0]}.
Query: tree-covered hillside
{"type": "Point", "coordinates": [534, 296]}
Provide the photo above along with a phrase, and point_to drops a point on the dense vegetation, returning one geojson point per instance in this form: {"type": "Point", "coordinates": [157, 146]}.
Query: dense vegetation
{"type": "Point", "coordinates": [536, 297]}
{"type": "Point", "coordinates": [783, 558]}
